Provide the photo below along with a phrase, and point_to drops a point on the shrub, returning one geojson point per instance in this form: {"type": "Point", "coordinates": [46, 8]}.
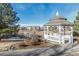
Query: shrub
{"type": "Point", "coordinates": [75, 33]}
{"type": "Point", "coordinates": [33, 39]}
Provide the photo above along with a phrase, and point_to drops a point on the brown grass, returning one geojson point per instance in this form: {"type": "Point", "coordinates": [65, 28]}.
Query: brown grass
{"type": "Point", "coordinates": [5, 46]}
{"type": "Point", "coordinates": [26, 44]}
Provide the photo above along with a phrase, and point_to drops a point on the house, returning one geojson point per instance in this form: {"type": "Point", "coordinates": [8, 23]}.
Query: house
{"type": "Point", "coordinates": [37, 28]}
{"type": "Point", "coordinates": [22, 31]}
{"type": "Point", "coordinates": [29, 29]}
{"type": "Point", "coordinates": [58, 30]}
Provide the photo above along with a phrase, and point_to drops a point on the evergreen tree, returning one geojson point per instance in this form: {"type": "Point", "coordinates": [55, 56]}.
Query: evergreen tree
{"type": "Point", "coordinates": [77, 17]}
{"type": "Point", "coordinates": [76, 23]}
{"type": "Point", "coordinates": [8, 20]}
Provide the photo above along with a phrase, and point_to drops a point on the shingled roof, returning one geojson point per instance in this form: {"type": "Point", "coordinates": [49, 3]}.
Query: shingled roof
{"type": "Point", "coordinates": [58, 20]}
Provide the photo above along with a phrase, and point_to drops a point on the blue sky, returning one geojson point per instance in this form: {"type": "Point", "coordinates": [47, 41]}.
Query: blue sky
{"type": "Point", "coordinates": [40, 13]}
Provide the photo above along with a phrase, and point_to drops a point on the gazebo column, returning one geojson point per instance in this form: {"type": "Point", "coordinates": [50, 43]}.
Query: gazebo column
{"type": "Point", "coordinates": [47, 29]}
{"type": "Point", "coordinates": [71, 40]}
{"type": "Point", "coordinates": [71, 31]}
{"type": "Point", "coordinates": [45, 32]}
{"type": "Point", "coordinates": [59, 34]}
{"type": "Point", "coordinates": [60, 39]}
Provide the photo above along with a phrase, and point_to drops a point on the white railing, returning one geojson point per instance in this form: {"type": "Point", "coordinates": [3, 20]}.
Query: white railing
{"type": "Point", "coordinates": [59, 38]}
{"type": "Point", "coordinates": [52, 38]}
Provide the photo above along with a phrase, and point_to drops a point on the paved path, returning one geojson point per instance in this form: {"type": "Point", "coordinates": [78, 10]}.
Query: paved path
{"type": "Point", "coordinates": [56, 50]}
{"type": "Point", "coordinates": [31, 52]}
{"type": "Point", "coordinates": [72, 52]}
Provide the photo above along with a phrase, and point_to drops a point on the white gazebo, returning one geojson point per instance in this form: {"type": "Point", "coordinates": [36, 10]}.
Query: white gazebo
{"type": "Point", "coordinates": [58, 30]}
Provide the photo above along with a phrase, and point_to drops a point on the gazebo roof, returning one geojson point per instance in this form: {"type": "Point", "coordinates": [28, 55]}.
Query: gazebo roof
{"type": "Point", "coordinates": [58, 20]}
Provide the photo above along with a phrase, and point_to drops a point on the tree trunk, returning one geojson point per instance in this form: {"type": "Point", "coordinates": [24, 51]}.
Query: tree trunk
{"type": "Point", "coordinates": [0, 39]}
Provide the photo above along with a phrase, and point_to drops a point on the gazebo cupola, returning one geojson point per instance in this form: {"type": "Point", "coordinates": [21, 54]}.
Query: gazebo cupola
{"type": "Point", "coordinates": [59, 30]}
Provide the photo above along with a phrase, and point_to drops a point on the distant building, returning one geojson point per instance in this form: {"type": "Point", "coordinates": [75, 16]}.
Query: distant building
{"type": "Point", "coordinates": [28, 29]}
{"type": "Point", "coordinates": [37, 28]}
{"type": "Point", "coordinates": [22, 31]}
{"type": "Point", "coordinates": [59, 30]}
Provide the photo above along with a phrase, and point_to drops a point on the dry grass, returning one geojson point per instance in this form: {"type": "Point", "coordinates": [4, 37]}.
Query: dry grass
{"type": "Point", "coordinates": [77, 38]}
{"type": "Point", "coordinates": [26, 44]}
{"type": "Point", "coordinates": [42, 43]}
{"type": "Point", "coordinates": [73, 53]}
{"type": "Point", "coordinates": [5, 46]}
{"type": "Point", "coordinates": [37, 32]}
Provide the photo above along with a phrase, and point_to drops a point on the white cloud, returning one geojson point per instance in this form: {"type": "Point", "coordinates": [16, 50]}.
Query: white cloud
{"type": "Point", "coordinates": [72, 16]}
{"type": "Point", "coordinates": [41, 7]}
{"type": "Point", "coordinates": [38, 7]}
{"type": "Point", "coordinates": [24, 6]}
{"type": "Point", "coordinates": [31, 25]}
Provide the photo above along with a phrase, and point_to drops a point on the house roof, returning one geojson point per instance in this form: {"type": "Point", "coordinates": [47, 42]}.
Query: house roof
{"type": "Point", "coordinates": [58, 20]}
